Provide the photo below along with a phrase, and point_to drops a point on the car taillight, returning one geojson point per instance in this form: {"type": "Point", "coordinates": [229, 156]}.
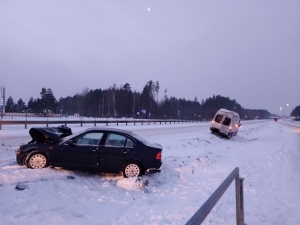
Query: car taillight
{"type": "Point", "coordinates": [158, 155]}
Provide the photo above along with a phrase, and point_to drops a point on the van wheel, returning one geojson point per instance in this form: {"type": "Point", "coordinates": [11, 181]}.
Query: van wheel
{"type": "Point", "coordinates": [229, 135]}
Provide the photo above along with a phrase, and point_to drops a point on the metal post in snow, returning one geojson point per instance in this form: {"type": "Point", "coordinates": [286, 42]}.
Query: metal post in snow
{"type": "Point", "coordinates": [239, 193]}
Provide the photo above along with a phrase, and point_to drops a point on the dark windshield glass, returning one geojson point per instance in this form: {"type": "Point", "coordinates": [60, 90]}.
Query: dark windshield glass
{"type": "Point", "coordinates": [226, 121]}
{"type": "Point", "coordinates": [218, 118]}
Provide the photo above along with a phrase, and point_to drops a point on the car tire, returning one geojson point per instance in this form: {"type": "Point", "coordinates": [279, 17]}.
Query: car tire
{"type": "Point", "coordinates": [132, 169]}
{"type": "Point", "coordinates": [229, 135]}
{"type": "Point", "coordinates": [37, 160]}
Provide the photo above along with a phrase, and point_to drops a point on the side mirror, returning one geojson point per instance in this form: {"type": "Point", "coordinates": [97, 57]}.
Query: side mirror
{"type": "Point", "coordinates": [71, 142]}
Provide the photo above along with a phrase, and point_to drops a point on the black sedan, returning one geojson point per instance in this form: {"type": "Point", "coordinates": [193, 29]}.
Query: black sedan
{"type": "Point", "coordinates": [101, 149]}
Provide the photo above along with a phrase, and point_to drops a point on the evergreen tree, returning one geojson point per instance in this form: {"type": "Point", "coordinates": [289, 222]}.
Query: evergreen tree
{"type": "Point", "coordinates": [9, 106]}
{"type": "Point", "coordinates": [47, 100]}
{"type": "Point", "coordinates": [21, 106]}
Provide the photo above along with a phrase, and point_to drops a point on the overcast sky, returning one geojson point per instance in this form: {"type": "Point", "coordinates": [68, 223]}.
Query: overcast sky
{"type": "Point", "coordinates": [248, 50]}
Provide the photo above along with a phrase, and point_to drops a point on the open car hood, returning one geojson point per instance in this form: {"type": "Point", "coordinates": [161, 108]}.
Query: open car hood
{"type": "Point", "coordinates": [55, 134]}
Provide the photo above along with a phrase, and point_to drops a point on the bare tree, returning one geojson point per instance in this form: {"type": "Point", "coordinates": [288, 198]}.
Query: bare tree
{"type": "Point", "coordinates": [112, 96]}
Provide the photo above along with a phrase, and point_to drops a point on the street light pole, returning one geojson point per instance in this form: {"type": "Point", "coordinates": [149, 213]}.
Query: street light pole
{"type": "Point", "coordinates": [282, 108]}
{"type": "Point", "coordinates": [291, 106]}
{"type": "Point", "coordinates": [99, 107]}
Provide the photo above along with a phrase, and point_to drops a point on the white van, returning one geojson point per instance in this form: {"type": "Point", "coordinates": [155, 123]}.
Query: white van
{"type": "Point", "coordinates": [226, 122]}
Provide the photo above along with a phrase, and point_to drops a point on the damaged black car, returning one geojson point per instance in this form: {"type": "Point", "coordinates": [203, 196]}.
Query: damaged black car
{"type": "Point", "coordinates": [101, 149]}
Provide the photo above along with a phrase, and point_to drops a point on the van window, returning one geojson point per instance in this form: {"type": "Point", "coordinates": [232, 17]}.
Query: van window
{"type": "Point", "coordinates": [226, 121]}
{"type": "Point", "coordinates": [218, 118]}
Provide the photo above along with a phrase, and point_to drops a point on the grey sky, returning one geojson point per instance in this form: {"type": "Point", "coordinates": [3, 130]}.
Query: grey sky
{"type": "Point", "coordinates": [245, 50]}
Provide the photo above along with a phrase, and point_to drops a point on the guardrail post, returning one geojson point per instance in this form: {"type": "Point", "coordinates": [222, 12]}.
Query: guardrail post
{"type": "Point", "coordinates": [239, 192]}
{"type": "Point", "coordinates": [205, 209]}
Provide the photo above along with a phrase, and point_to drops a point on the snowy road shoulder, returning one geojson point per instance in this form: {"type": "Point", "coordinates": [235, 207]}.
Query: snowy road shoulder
{"type": "Point", "coordinates": [195, 163]}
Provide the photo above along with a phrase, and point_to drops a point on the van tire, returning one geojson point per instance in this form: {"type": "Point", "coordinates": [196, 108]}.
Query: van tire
{"type": "Point", "coordinates": [229, 135]}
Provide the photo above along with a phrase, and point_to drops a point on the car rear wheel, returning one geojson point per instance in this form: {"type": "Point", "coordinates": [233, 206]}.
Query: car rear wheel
{"type": "Point", "coordinates": [132, 169]}
{"type": "Point", "coordinates": [37, 161]}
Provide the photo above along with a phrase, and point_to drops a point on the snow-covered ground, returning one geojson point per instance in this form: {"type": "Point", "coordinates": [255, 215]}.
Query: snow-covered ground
{"type": "Point", "coordinates": [195, 163]}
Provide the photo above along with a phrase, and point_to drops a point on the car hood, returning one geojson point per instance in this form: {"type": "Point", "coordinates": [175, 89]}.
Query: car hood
{"type": "Point", "coordinates": [55, 134]}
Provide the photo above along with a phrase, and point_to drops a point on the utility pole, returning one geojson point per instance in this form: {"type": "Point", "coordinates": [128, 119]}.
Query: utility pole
{"type": "Point", "coordinates": [2, 101]}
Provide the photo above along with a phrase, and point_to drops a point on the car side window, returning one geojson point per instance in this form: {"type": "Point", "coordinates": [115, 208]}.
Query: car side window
{"type": "Point", "coordinates": [115, 140]}
{"type": "Point", "coordinates": [89, 139]}
{"type": "Point", "coordinates": [129, 143]}
{"type": "Point", "coordinates": [218, 118]}
{"type": "Point", "coordinates": [226, 121]}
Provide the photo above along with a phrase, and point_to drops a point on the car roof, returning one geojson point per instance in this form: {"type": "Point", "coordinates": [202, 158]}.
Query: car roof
{"type": "Point", "coordinates": [109, 129]}
{"type": "Point", "coordinates": [227, 111]}
{"type": "Point", "coordinates": [103, 129]}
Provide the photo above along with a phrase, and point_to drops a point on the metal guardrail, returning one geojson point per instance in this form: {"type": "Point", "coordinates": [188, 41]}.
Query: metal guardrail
{"type": "Point", "coordinates": [65, 122]}
{"type": "Point", "coordinates": [205, 209]}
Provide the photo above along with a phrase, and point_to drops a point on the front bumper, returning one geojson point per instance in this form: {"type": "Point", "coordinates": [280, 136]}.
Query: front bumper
{"type": "Point", "coordinates": [20, 157]}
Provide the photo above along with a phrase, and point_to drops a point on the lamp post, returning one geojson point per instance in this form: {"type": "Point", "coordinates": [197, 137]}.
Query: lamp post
{"type": "Point", "coordinates": [99, 108]}
{"type": "Point", "coordinates": [291, 106]}
{"type": "Point", "coordinates": [282, 108]}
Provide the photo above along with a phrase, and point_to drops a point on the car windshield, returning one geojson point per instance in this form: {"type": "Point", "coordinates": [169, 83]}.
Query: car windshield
{"type": "Point", "coordinates": [71, 136]}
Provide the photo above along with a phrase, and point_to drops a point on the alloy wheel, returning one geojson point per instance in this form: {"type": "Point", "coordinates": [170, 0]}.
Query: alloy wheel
{"type": "Point", "coordinates": [37, 161]}
{"type": "Point", "coordinates": [132, 170]}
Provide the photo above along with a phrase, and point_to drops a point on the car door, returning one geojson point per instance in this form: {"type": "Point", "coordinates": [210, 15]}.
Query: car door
{"type": "Point", "coordinates": [226, 124]}
{"type": "Point", "coordinates": [81, 151]}
{"type": "Point", "coordinates": [116, 149]}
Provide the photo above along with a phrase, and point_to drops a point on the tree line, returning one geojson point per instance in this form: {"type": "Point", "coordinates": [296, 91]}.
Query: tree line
{"type": "Point", "coordinates": [122, 101]}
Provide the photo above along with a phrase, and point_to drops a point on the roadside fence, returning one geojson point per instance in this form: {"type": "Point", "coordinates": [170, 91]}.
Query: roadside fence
{"type": "Point", "coordinates": [205, 209]}
{"type": "Point", "coordinates": [94, 121]}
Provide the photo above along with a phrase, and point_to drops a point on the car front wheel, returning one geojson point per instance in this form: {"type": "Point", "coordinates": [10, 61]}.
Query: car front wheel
{"type": "Point", "coordinates": [37, 161]}
{"type": "Point", "coordinates": [229, 135]}
{"type": "Point", "coordinates": [132, 169]}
